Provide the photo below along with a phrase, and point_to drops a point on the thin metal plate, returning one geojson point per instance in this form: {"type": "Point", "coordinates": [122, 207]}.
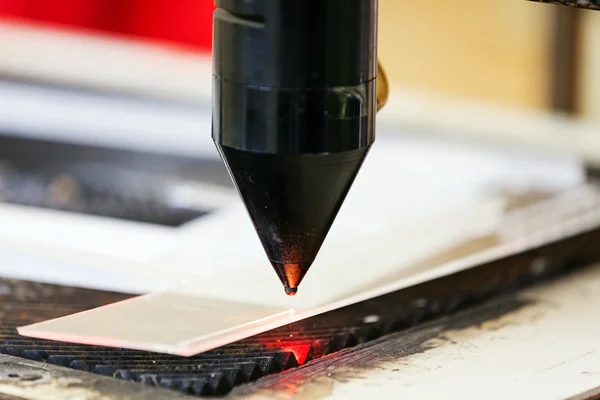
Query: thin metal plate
{"type": "Point", "coordinates": [163, 322]}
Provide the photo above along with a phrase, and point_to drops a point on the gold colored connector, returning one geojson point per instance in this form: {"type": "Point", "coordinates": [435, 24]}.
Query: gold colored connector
{"type": "Point", "coordinates": [383, 88]}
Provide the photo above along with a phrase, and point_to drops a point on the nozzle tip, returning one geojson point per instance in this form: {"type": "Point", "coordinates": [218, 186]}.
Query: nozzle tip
{"type": "Point", "coordinates": [290, 291]}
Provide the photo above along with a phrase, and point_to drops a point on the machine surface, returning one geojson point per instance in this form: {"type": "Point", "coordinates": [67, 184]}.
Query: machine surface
{"type": "Point", "coordinates": [417, 331]}
{"type": "Point", "coordinates": [503, 323]}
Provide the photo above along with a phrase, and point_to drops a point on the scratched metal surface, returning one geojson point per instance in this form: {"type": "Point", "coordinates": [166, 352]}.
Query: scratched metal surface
{"type": "Point", "coordinates": [540, 343]}
{"type": "Point", "coordinates": [317, 379]}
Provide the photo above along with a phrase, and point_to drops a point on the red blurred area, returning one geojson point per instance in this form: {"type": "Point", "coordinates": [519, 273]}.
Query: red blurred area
{"type": "Point", "coordinates": [300, 350]}
{"type": "Point", "coordinates": [181, 22]}
{"type": "Point", "coordinates": [304, 349]}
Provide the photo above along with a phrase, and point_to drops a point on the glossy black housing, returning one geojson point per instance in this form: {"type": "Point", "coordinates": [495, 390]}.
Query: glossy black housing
{"type": "Point", "coordinates": [294, 103]}
{"type": "Point", "coordinates": [294, 76]}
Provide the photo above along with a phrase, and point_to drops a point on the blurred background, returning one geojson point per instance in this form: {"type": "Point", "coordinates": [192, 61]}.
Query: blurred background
{"type": "Point", "coordinates": [513, 52]}
{"type": "Point", "coordinates": [105, 111]}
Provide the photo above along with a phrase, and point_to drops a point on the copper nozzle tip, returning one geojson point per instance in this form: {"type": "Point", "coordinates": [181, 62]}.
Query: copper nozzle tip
{"type": "Point", "coordinates": [291, 291]}
{"type": "Point", "coordinates": [291, 275]}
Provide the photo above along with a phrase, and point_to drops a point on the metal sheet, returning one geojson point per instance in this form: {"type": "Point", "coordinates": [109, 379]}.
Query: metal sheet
{"type": "Point", "coordinates": [165, 322]}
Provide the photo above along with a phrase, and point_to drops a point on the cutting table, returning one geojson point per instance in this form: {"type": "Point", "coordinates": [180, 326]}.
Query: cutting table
{"type": "Point", "coordinates": [520, 326]}
{"type": "Point", "coordinates": [517, 328]}
{"type": "Point", "coordinates": [515, 321]}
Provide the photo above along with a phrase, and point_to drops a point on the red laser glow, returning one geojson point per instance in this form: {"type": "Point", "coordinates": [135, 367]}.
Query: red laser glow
{"type": "Point", "coordinates": [301, 349]}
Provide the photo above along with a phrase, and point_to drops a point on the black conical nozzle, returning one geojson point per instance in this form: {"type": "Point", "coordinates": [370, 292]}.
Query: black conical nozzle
{"type": "Point", "coordinates": [294, 86]}
{"type": "Point", "coordinates": [290, 291]}
{"type": "Point", "coordinates": [292, 200]}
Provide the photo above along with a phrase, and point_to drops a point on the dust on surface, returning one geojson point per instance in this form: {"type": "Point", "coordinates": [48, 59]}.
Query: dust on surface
{"type": "Point", "coordinates": [52, 382]}
{"type": "Point", "coordinates": [316, 379]}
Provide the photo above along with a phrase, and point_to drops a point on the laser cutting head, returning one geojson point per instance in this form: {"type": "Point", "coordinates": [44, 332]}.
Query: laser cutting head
{"type": "Point", "coordinates": [294, 103]}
